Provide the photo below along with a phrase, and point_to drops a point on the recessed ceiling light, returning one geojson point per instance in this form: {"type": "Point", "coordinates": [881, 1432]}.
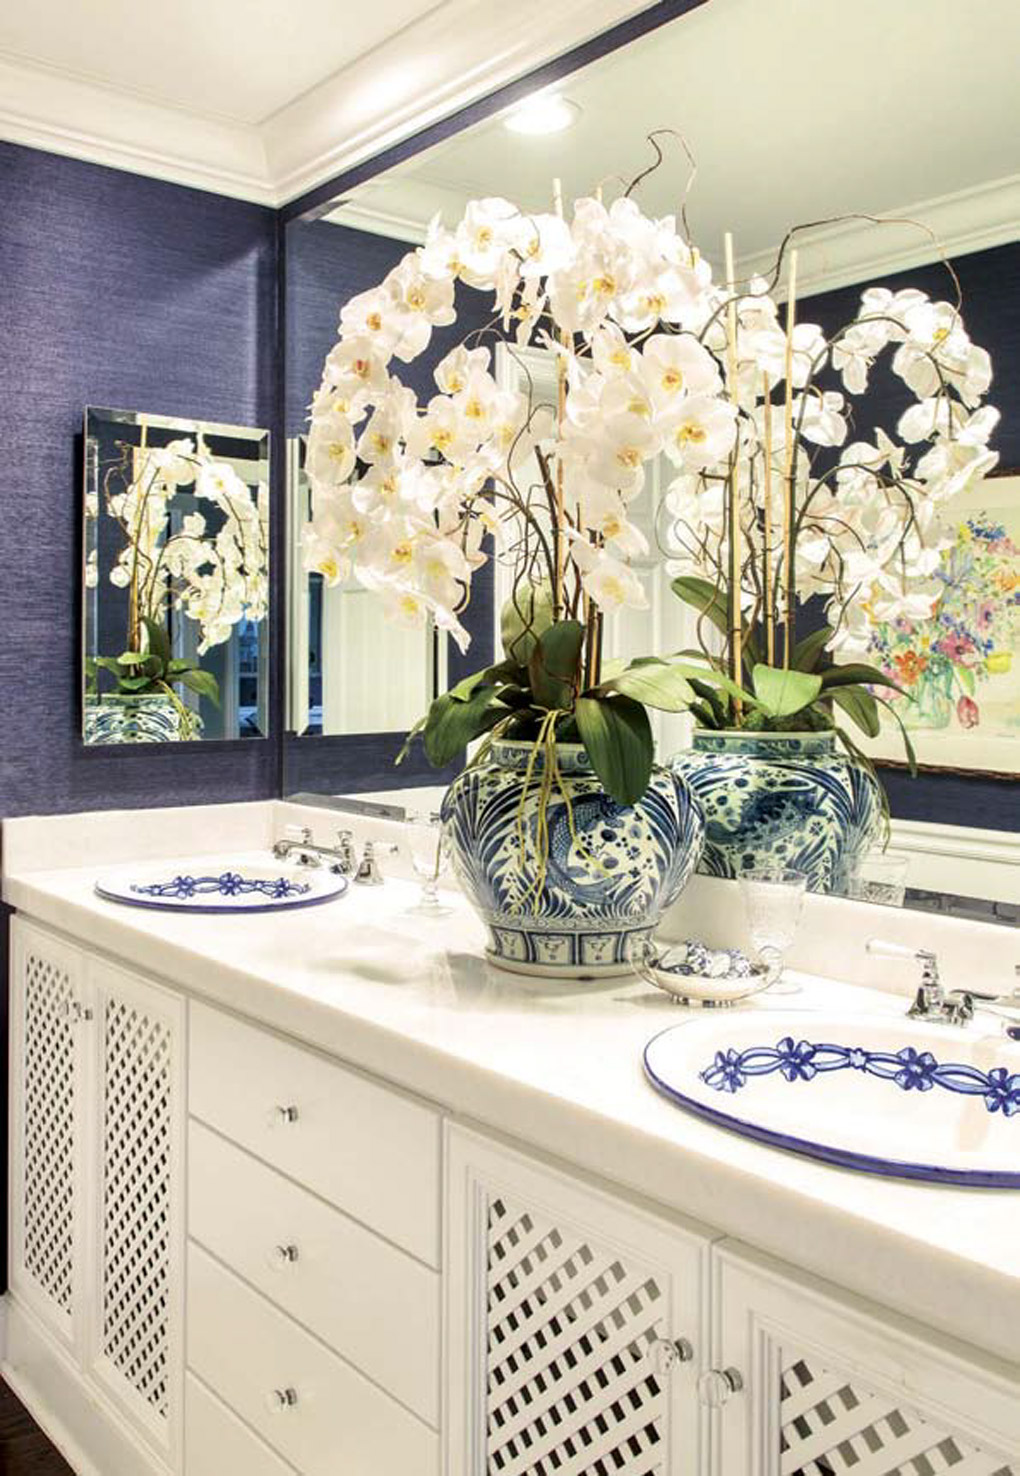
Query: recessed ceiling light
{"type": "Point", "coordinates": [543, 113]}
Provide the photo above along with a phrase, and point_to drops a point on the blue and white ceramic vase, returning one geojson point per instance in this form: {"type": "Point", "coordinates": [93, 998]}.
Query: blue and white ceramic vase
{"type": "Point", "coordinates": [782, 800]}
{"type": "Point", "coordinates": [134, 717]}
{"type": "Point", "coordinates": [612, 869]}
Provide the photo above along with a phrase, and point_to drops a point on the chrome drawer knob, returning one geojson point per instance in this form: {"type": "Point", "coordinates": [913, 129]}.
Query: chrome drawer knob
{"type": "Point", "coordinates": [280, 1400]}
{"type": "Point", "coordinates": [284, 1116]}
{"type": "Point", "coordinates": [668, 1352]}
{"type": "Point", "coordinates": [718, 1385]}
{"type": "Point", "coordinates": [282, 1256]}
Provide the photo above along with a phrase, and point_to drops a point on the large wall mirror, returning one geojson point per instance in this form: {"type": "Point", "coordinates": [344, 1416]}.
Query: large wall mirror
{"type": "Point", "coordinates": [176, 580]}
{"type": "Point", "coordinates": [753, 145]}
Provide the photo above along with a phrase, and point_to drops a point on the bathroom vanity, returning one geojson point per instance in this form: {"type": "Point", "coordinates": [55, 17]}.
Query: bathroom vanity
{"type": "Point", "coordinates": [321, 1192]}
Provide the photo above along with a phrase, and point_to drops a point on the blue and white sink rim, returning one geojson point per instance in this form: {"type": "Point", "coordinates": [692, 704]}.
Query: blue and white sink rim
{"type": "Point", "coordinates": [212, 886]}
{"type": "Point", "coordinates": [692, 1095]}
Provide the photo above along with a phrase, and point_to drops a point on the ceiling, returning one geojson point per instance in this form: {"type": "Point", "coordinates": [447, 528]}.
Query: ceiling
{"type": "Point", "coordinates": [795, 110]}
{"type": "Point", "coordinates": [240, 60]}
{"type": "Point", "coordinates": [263, 99]}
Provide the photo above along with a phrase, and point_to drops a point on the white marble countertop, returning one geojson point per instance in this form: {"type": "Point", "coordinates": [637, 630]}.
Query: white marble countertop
{"type": "Point", "coordinates": [557, 1066]}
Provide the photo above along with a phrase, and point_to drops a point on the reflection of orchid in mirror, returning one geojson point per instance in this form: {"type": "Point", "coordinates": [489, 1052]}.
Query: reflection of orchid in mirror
{"type": "Point", "coordinates": [215, 578]}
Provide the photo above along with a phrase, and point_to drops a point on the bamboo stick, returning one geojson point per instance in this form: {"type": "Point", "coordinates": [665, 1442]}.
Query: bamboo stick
{"type": "Point", "coordinates": [789, 496]}
{"type": "Point", "coordinates": [559, 593]}
{"type": "Point", "coordinates": [770, 614]}
{"type": "Point", "coordinates": [736, 561]}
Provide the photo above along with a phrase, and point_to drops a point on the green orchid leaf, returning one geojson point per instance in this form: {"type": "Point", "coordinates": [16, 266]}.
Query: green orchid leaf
{"type": "Point", "coordinates": [452, 724]}
{"type": "Point", "coordinates": [712, 699]}
{"type": "Point", "coordinates": [405, 747]}
{"type": "Point", "coordinates": [555, 663]}
{"type": "Point", "coordinates": [703, 715]}
{"type": "Point", "coordinates": [180, 664]}
{"type": "Point", "coordinates": [202, 682]}
{"type": "Point", "coordinates": [856, 674]}
{"type": "Point", "coordinates": [133, 683]}
{"type": "Point", "coordinates": [907, 744]}
{"type": "Point", "coordinates": [860, 707]}
{"type": "Point", "coordinates": [158, 638]}
{"type": "Point", "coordinates": [713, 604]}
{"type": "Point", "coordinates": [653, 683]}
{"type": "Point", "coordinates": [781, 693]}
{"type": "Point", "coordinates": [133, 658]}
{"type": "Point", "coordinates": [524, 617]}
{"type": "Point", "coordinates": [617, 738]}
{"type": "Point", "coordinates": [503, 671]}
{"type": "Point", "coordinates": [809, 652]}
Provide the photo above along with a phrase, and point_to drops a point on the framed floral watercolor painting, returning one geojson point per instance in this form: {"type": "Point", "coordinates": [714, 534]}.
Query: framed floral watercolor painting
{"type": "Point", "coordinates": [961, 667]}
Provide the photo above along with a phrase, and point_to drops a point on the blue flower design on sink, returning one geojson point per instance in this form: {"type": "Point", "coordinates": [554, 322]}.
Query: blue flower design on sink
{"type": "Point", "coordinates": [909, 1069]}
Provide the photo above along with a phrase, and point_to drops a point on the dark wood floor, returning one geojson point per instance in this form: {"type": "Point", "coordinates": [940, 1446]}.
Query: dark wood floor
{"type": "Point", "coordinates": [24, 1449]}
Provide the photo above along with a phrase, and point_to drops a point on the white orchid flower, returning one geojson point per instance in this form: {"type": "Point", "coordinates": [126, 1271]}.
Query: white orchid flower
{"type": "Point", "coordinates": [703, 433]}
{"type": "Point", "coordinates": [607, 580]}
{"type": "Point", "coordinates": [452, 372]}
{"type": "Point", "coordinates": [329, 458]}
{"type": "Point", "coordinates": [674, 366]}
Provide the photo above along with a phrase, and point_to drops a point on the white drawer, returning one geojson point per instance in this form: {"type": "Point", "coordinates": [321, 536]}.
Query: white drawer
{"type": "Point", "coordinates": [363, 1146]}
{"type": "Point", "coordinates": [314, 1409]}
{"type": "Point", "coordinates": [370, 1301]}
{"type": "Point", "coordinates": [216, 1443]}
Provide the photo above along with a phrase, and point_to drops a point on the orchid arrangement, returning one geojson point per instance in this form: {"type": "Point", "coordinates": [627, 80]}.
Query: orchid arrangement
{"type": "Point", "coordinates": [773, 502]}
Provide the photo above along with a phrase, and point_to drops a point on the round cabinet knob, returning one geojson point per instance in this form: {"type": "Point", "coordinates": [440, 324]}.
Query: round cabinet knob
{"type": "Point", "coordinates": [282, 1256]}
{"type": "Point", "coordinates": [717, 1386]}
{"type": "Point", "coordinates": [668, 1352]}
{"type": "Point", "coordinates": [280, 1400]}
{"type": "Point", "coordinates": [284, 1116]}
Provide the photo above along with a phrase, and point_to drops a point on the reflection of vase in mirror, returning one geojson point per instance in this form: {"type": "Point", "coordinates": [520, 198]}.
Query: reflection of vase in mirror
{"type": "Point", "coordinates": [176, 579]}
{"type": "Point", "coordinates": [148, 717]}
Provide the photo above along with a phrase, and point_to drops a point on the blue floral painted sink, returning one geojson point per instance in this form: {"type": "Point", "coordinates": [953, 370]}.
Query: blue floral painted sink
{"type": "Point", "coordinates": [886, 1096]}
{"type": "Point", "coordinates": [214, 885]}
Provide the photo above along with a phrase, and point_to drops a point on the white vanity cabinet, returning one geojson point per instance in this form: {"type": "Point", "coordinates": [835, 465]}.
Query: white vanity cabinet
{"type": "Point", "coordinates": [313, 1311]}
{"type": "Point", "coordinates": [829, 1385]}
{"type": "Point", "coordinates": [96, 1191]}
{"type": "Point", "coordinates": [235, 1255]}
{"type": "Point", "coordinates": [588, 1336]}
{"type": "Point", "coordinates": [576, 1328]}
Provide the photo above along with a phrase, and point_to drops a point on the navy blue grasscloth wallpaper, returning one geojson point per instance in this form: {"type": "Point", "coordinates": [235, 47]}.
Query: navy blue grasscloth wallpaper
{"type": "Point", "coordinates": [127, 292]}
{"type": "Point", "coordinates": [990, 282]}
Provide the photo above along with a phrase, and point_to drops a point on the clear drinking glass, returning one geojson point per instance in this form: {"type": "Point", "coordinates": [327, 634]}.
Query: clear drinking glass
{"type": "Point", "coordinates": [773, 904]}
{"type": "Point", "coordinates": [430, 856]}
{"type": "Point", "coordinates": [881, 876]}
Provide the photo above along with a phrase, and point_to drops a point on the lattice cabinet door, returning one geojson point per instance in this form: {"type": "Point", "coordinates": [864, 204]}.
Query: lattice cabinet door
{"type": "Point", "coordinates": [48, 1088]}
{"type": "Point", "coordinates": [832, 1388]}
{"type": "Point", "coordinates": [135, 1332]}
{"type": "Point", "coordinates": [574, 1325]}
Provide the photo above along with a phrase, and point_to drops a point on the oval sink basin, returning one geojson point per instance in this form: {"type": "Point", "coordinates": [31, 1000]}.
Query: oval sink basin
{"type": "Point", "coordinates": [885, 1096]}
{"type": "Point", "coordinates": [209, 884]}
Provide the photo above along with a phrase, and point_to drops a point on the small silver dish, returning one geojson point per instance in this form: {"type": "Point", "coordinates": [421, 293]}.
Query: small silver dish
{"type": "Point", "coordinates": [693, 974]}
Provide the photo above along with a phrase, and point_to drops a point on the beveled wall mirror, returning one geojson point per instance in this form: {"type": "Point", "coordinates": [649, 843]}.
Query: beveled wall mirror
{"type": "Point", "coordinates": [175, 580]}
{"type": "Point", "coordinates": [762, 166]}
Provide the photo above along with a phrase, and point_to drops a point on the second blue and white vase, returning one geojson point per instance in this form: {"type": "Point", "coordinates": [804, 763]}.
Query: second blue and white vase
{"type": "Point", "coordinates": [777, 800]}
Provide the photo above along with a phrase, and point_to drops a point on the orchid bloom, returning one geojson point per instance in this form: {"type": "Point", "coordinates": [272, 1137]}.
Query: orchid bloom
{"type": "Point", "coordinates": [413, 497]}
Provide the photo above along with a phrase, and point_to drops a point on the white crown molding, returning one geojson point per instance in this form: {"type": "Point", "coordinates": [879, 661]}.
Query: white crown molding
{"type": "Point", "coordinates": [46, 109]}
{"type": "Point", "coordinates": [379, 223]}
{"type": "Point", "coordinates": [456, 54]}
{"type": "Point", "coordinates": [854, 251]}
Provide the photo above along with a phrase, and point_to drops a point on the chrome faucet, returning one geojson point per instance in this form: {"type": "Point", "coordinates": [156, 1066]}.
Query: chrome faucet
{"type": "Point", "coordinates": [932, 1002]}
{"type": "Point", "coordinates": [340, 858]}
